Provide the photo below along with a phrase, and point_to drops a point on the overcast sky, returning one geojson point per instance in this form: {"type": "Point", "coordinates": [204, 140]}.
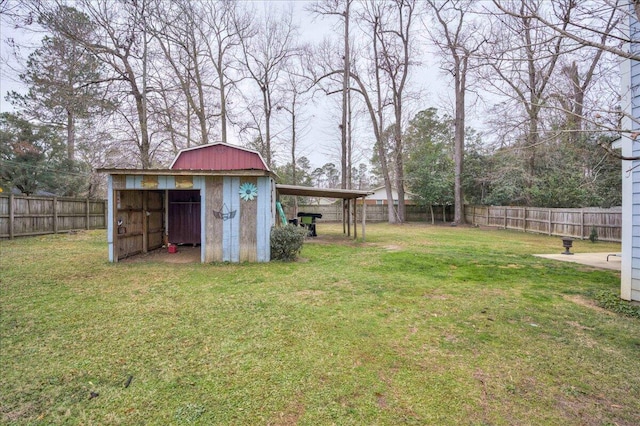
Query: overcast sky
{"type": "Point", "coordinates": [320, 139]}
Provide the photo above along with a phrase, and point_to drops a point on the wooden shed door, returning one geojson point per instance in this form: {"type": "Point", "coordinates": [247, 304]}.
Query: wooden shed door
{"type": "Point", "coordinates": [184, 217]}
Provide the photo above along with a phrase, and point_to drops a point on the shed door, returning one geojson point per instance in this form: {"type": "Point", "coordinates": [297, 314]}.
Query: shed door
{"type": "Point", "coordinates": [184, 217]}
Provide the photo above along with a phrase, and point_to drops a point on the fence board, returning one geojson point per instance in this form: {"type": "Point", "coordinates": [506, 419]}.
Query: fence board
{"type": "Point", "coordinates": [22, 216]}
{"type": "Point", "coordinates": [576, 223]}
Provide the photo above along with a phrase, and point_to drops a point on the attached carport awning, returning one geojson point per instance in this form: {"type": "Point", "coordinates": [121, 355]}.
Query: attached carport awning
{"type": "Point", "coordinates": [345, 194]}
{"type": "Point", "coordinates": [306, 191]}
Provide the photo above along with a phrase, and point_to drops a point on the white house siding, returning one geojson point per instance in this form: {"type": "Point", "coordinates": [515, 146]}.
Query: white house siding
{"type": "Point", "coordinates": [630, 277]}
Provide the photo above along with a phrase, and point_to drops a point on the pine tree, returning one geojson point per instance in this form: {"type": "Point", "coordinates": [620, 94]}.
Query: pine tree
{"type": "Point", "coordinates": [64, 82]}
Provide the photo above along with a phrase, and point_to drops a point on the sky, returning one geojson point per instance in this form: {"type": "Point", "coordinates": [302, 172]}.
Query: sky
{"type": "Point", "coordinates": [319, 139]}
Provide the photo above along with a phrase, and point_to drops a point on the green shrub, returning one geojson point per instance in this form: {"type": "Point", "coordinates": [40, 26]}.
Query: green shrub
{"type": "Point", "coordinates": [611, 302]}
{"type": "Point", "coordinates": [593, 236]}
{"type": "Point", "coordinates": [286, 242]}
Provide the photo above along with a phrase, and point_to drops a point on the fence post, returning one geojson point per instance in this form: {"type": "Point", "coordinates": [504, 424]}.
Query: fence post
{"type": "Point", "coordinates": [488, 214]}
{"type": "Point", "coordinates": [55, 215]}
{"type": "Point", "coordinates": [581, 224]}
{"type": "Point", "coordinates": [86, 225]}
{"type": "Point", "coordinates": [11, 216]}
{"type": "Point", "coordinates": [524, 222]}
{"type": "Point", "coordinates": [549, 222]}
{"type": "Point", "coordinates": [505, 217]}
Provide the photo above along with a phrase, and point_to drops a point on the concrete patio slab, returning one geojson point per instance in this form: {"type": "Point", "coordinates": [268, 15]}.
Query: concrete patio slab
{"type": "Point", "coordinates": [596, 260]}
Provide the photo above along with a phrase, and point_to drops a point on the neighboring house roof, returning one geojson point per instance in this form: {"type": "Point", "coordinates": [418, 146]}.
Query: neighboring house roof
{"type": "Point", "coordinates": [380, 193]}
{"type": "Point", "coordinates": [218, 156]}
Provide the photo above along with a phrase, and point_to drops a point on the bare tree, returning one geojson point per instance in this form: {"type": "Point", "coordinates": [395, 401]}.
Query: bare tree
{"type": "Point", "coordinates": [458, 40]}
{"type": "Point", "coordinates": [393, 46]}
{"type": "Point", "coordinates": [264, 57]}
{"type": "Point", "coordinates": [524, 57]}
{"type": "Point", "coordinates": [342, 9]}
{"type": "Point", "coordinates": [596, 27]}
{"type": "Point", "coordinates": [120, 42]}
{"type": "Point", "coordinates": [225, 24]}
{"type": "Point", "coordinates": [176, 27]}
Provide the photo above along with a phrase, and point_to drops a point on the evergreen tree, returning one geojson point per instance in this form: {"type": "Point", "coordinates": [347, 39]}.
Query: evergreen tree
{"type": "Point", "coordinates": [32, 158]}
{"type": "Point", "coordinates": [64, 81]}
{"type": "Point", "coordinates": [429, 164]}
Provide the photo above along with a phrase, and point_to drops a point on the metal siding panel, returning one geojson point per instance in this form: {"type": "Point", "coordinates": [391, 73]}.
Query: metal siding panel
{"type": "Point", "coordinates": [263, 227]}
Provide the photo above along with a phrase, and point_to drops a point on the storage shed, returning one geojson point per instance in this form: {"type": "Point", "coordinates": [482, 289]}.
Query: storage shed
{"type": "Point", "coordinates": [218, 196]}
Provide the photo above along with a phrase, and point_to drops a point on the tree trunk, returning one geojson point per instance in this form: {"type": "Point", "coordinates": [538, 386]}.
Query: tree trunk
{"type": "Point", "coordinates": [71, 137]}
{"type": "Point", "coordinates": [460, 89]}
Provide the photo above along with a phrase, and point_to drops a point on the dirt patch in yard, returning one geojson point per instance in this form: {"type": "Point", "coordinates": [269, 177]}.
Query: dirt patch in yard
{"type": "Point", "coordinates": [582, 301]}
{"type": "Point", "coordinates": [185, 254]}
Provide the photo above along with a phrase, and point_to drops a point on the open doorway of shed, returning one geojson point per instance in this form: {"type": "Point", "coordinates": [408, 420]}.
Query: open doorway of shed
{"type": "Point", "coordinates": [184, 217]}
{"type": "Point", "coordinates": [147, 220]}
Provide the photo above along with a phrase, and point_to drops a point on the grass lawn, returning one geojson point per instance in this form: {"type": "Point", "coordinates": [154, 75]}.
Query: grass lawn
{"type": "Point", "coordinates": [420, 325]}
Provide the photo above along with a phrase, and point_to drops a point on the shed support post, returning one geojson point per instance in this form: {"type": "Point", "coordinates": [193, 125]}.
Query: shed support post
{"type": "Point", "coordinates": [355, 219]}
{"type": "Point", "coordinates": [348, 217]}
{"type": "Point", "coordinates": [364, 218]}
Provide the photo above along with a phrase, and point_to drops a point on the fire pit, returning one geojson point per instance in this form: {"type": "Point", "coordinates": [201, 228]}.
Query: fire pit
{"type": "Point", "coordinates": [567, 243]}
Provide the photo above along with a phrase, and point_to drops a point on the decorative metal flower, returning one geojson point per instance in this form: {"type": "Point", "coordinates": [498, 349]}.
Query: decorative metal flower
{"type": "Point", "coordinates": [248, 191]}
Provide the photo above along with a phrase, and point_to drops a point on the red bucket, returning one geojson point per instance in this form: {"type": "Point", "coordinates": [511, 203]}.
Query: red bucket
{"type": "Point", "coordinates": [172, 248]}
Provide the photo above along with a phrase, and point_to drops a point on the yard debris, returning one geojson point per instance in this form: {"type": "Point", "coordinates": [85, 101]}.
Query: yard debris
{"type": "Point", "coordinates": [93, 395]}
{"type": "Point", "coordinates": [128, 382]}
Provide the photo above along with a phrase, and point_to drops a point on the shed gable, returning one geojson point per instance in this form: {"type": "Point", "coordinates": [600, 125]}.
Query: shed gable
{"type": "Point", "coordinates": [218, 156]}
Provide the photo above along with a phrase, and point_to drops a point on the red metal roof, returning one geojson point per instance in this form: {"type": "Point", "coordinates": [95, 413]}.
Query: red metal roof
{"type": "Point", "coordinates": [218, 156]}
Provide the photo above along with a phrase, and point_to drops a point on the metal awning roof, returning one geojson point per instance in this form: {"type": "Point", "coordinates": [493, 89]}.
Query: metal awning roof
{"type": "Point", "coordinates": [306, 191]}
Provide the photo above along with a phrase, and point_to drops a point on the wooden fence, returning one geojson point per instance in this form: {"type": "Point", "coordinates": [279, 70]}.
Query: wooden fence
{"type": "Point", "coordinates": [375, 212]}
{"type": "Point", "coordinates": [22, 216]}
{"type": "Point", "coordinates": [576, 223]}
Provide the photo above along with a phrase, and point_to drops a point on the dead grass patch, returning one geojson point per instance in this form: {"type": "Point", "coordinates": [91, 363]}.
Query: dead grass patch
{"type": "Point", "coordinates": [587, 303]}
